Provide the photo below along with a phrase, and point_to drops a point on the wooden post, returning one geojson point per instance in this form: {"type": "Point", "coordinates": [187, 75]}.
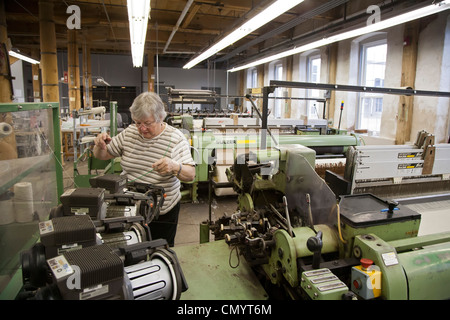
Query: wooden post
{"type": "Point", "coordinates": [289, 66]}
{"type": "Point", "coordinates": [36, 78]}
{"type": "Point", "coordinates": [409, 65]}
{"type": "Point", "coordinates": [49, 63]}
{"type": "Point", "coordinates": [74, 70]}
{"type": "Point", "coordinates": [151, 71]}
{"type": "Point", "coordinates": [5, 72]}
{"type": "Point", "coordinates": [332, 58]}
{"type": "Point", "coordinates": [260, 73]}
{"type": "Point", "coordinates": [8, 148]}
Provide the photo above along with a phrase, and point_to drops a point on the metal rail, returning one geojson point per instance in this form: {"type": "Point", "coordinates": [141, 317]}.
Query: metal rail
{"type": "Point", "coordinates": [340, 87]}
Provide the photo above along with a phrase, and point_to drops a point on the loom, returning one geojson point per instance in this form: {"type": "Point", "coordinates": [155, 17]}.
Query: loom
{"type": "Point", "coordinates": [396, 171]}
{"type": "Point", "coordinates": [301, 241]}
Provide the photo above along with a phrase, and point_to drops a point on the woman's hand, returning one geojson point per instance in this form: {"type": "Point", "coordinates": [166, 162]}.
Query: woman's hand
{"type": "Point", "coordinates": [101, 140]}
{"type": "Point", "coordinates": [166, 166]}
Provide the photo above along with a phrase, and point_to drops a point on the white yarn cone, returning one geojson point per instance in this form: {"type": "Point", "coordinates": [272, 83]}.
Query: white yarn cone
{"type": "Point", "coordinates": [23, 202]}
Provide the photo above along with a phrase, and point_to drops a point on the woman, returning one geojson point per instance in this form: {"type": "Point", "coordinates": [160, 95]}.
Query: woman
{"type": "Point", "coordinates": [152, 152]}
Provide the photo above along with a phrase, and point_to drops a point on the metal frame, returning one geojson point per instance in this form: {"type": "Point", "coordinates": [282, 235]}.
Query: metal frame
{"type": "Point", "coordinates": [340, 87]}
{"type": "Point", "coordinates": [81, 180]}
{"type": "Point", "coordinates": [336, 87]}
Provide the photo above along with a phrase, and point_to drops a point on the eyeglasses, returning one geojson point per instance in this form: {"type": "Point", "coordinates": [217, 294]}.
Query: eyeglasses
{"type": "Point", "coordinates": [147, 124]}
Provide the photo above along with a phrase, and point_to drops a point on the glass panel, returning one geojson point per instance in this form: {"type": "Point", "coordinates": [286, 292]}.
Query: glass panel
{"type": "Point", "coordinates": [28, 187]}
{"type": "Point", "coordinates": [375, 65]}
{"type": "Point", "coordinates": [254, 78]}
{"type": "Point", "coordinates": [313, 76]}
{"type": "Point", "coordinates": [371, 108]}
{"type": "Point", "coordinates": [278, 91]}
{"type": "Point", "coordinates": [373, 70]}
{"type": "Point", "coordinates": [252, 82]}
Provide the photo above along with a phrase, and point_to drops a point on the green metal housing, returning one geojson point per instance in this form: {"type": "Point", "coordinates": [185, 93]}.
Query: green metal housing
{"type": "Point", "coordinates": [205, 145]}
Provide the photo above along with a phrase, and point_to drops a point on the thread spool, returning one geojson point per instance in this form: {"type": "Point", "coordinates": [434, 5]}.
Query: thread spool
{"type": "Point", "coordinates": [5, 129]}
{"type": "Point", "coordinates": [98, 110]}
{"type": "Point", "coordinates": [7, 151]}
{"type": "Point", "coordinates": [221, 176]}
{"type": "Point", "coordinates": [23, 202]}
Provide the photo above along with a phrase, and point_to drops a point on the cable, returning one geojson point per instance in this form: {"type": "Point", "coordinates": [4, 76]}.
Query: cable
{"type": "Point", "coordinates": [53, 153]}
{"type": "Point", "coordinates": [237, 255]}
{"type": "Point", "coordinates": [339, 224]}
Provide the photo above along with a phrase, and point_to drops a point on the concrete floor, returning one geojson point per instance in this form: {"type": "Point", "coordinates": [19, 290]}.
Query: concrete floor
{"type": "Point", "coordinates": [192, 214]}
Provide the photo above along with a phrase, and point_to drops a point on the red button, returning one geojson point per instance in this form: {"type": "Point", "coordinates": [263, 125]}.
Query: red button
{"type": "Point", "coordinates": [357, 284]}
{"type": "Point", "coordinates": [366, 263]}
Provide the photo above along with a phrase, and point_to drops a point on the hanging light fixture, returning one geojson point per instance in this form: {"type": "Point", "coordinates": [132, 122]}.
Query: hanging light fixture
{"type": "Point", "coordinates": [391, 22]}
{"type": "Point", "coordinates": [21, 56]}
{"type": "Point", "coordinates": [138, 15]}
{"type": "Point", "coordinates": [271, 12]}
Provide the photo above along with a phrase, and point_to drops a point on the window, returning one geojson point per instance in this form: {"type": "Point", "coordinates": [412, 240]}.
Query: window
{"type": "Point", "coordinates": [254, 78]}
{"type": "Point", "coordinates": [373, 65]}
{"type": "Point", "coordinates": [313, 75]}
{"type": "Point", "coordinates": [252, 82]}
{"type": "Point", "coordinates": [278, 75]}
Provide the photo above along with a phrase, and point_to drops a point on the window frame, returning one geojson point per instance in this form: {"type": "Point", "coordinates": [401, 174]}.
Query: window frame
{"type": "Point", "coordinates": [362, 77]}
{"type": "Point", "coordinates": [309, 92]}
{"type": "Point", "coordinates": [252, 82]}
{"type": "Point", "coordinates": [278, 70]}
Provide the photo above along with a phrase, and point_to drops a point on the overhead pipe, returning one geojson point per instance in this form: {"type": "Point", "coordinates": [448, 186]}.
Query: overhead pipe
{"type": "Point", "coordinates": [180, 19]}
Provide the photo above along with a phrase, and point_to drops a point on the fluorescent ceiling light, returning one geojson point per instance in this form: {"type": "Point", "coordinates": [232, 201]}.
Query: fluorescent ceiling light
{"type": "Point", "coordinates": [138, 15]}
{"type": "Point", "coordinates": [402, 18]}
{"type": "Point", "coordinates": [22, 57]}
{"type": "Point", "coordinates": [271, 12]}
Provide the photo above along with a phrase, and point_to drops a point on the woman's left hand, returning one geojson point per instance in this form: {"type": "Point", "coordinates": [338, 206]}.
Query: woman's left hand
{"type": "Point", "coordinates": [166, 166]}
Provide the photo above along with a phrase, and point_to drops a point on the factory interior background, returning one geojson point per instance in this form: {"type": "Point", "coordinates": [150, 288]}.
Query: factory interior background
{"type": "Point", "coordinates": [378, 98]}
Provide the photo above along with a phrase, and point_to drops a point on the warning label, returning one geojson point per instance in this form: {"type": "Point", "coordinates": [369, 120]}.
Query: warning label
{"type": "Point", "coordinates": [410, 165]}
{"type": "Point", "coordinates": [410, 155]}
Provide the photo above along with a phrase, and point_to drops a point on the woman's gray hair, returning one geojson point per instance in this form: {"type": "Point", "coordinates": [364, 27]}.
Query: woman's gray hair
{"type": "Point", "coordinates": [148, 104]}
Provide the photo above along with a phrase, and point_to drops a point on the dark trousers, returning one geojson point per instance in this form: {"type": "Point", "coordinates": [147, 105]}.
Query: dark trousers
{"type": "Point", "coordinates": [166, 226]}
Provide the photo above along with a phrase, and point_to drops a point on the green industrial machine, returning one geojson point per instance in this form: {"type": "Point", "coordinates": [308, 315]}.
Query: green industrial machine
{"type": "Point", "coordinates": [219, 148]}
{"type": "Point", "coordinates": [290, 237]}
{"type": "Point", "coordinates": [300, 240]}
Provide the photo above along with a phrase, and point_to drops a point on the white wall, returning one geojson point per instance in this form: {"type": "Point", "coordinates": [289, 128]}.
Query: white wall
{"type": "Point", "coordinates": [392, 79]}
{"type": "Point", "coordinates": [432, 73]}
